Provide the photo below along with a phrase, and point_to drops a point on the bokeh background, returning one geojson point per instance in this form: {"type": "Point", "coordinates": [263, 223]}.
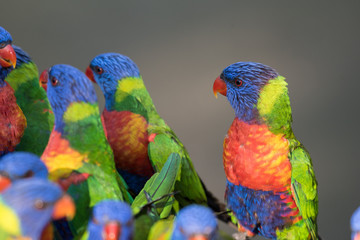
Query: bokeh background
{"type": "Point", "coordinates": [182, 46]}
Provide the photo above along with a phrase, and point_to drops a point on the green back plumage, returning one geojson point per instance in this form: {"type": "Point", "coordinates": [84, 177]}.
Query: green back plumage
{"type": "Point", "coordinates": [131, 95]}
{"type": "Point", "coordinates": [83, 129]}
{"type": "Point", "coordinates": [275, 111]}
{"type": "Point", "coordinates": [33, 101]}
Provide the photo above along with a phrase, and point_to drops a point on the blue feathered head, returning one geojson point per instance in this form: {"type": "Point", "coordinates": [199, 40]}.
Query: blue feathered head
{"type": "Point", "coordinates": [19, 165]}
{"type": "Point", "coordinates": [7, 55]}
{"type": "Point", "coordinates": [241, 83]}
{"type": "Point", "coordinates": [36, 202]}
{"type": "Point", "coordinates": [195, 222]}
{"type": "Point", "coordinates": [113, 219]}
{"type": "Point", "coordinates": [66, 85]}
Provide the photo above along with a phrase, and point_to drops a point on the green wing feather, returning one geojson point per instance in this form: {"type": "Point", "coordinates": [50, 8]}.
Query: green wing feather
{"type": "Point", "coordinates": [158, 186]}
{"type": "Point", "coordinates": [33, 101]}
{"type": "Point", "coordinates": [304, 187]}
{"type": "Point", "coordinates": [166, 142]}
{"type": "Point", "coordinates": [189, 185]}
{"type": "Point", "coordinates": [83, 129]}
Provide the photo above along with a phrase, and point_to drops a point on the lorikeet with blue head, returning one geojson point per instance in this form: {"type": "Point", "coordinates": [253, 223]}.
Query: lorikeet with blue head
{"type": "Point", "coordinates": [271, 186]}
{"type": "Point", "coordinates": [111, 220]}
{"type": "Point", "coordinates": [114, 220]}
{"type": "Point", "coordinates": [12, 119]}
{"type": "Point", "coordinates": [32, 100]}
{"type": "Point", "coordinates": [30, 205]}
{"type": "Point", "coordinates": [78, 143]}
{"type": "Point", "coordinates": [139, 137]}
{"type": "Point", "coordinates": [355, 225]}
{"type": "Point", "coordinates": [194, 222]}
{"type": "Point", "coordinates": [19, 165]}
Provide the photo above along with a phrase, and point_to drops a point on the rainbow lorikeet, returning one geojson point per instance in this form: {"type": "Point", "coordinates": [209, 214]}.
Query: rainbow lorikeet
{"type": "Point", "coordinates": [32, 100]}
{"type": "Point", "coordinates": [30, 205]}
{"type": "Point", "coordinates": [139, 137]}
{"type": "Point", "coordinates": [355, 225]}
{"type": "Point", "coordinates": [19, 165]}
{"type": "Point", "coordinates": [111, 220]}
{"type": "Point", "coordinates": [12, 119]}
{"type": "Point", "coordinates": [78, 143]}
{"type": "Point", "coordinates": [271, 186]}
{"type": "Point", "coordinates": [194, 222]}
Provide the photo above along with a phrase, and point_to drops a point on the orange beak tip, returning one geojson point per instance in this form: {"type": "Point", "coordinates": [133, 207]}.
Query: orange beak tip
{"type": "Point", "coordinates": [198, 237]}
{"type": "Point", "coordinates": [4, 183]}
{"type": "Point", "coordinates": [112, 230]}
{"type": "Point", "coordinates": [215, 94]}
{"type": "Point", "coordinates": [219, 87]}
{"type": "Point", "coordinates": [8, 56]}
{"type": "Point", "coordinates": [64, 207]}
{"type": "Point", "coordinates": [89, 73]}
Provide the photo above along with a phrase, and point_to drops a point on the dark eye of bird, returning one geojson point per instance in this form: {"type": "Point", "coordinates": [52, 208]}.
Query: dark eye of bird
{"type": "Point", "coordinates": [39, 204]}
{"type": "Point", "coordinates": [95, 221]}
{"type": "Point", "coordinates": [3, 44]}
{"type": "Point", "coordinates": [99, 70]}
{"type": "Point", "coordinates": [238, 82]}
{"type": "Point", "coordinates": [129, 223]}
{"type": "Point", "coordinates": [54, 81]}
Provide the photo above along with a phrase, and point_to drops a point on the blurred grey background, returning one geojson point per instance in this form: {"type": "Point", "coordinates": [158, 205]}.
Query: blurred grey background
{"type": "Point", "coordinates": [182, 46]}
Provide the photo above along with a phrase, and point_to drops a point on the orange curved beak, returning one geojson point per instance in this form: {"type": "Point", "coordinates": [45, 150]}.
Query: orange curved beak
{"type": "Point", "coordinates": [43, 79]}
{"type": "Point", "coordinates": [112, 231]}
{"type": "Point", "coordinates": [198, 237]}
{"type": "Point", "coordinates": [64, 207]}
{"type": "Point", "coordinates": [89, 73]}
{"type": "Point", "coordinates": [219, 87]}
{"type": "Point", "coordinates": [4, 183]}
{"type": "Point", "coordinates": [7, 56]}
{"type": "Point", "coordinates": [357, 236]}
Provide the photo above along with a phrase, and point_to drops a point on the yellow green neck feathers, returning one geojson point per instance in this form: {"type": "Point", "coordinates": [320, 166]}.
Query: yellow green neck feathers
{"type": "Point", "coordinates": [270, 94]}
{"type": "Point", "coordinates": [131, 95]}
{"type": "Point", "coordinates": [78, 111]}
{"type": "Point", "coordinates": [128, 86]}
{"type": "Point", "coordinates": [274, 106]}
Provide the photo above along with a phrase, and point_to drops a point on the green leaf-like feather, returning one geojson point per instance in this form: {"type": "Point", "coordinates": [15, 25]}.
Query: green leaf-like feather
{"type": "Point", "coordinates": [305, 188]}
{"type": "Point", "coordinates": [165, 142]}
{"type": "Point", "coordinates": [158, 185]}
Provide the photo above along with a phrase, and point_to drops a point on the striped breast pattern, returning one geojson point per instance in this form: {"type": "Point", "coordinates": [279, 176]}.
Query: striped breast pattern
{"type": "Point", "coordinates": [60, 158]}
{"type": "Point", "coordinates": [128, 137]}
{"type": "Point", "coordinates": [258, 175]}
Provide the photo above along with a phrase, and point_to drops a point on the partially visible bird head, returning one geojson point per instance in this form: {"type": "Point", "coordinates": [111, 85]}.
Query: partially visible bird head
{"type": "Point", "coordinates": [195, 222]}
{"type": "Point", "coordinates": [36, 202]}
{"type": "Point", "coordinates": [111, 220]}
{"type": "Point", "coordinates": [7, 53]}
{"type": "Point", "coordinates": [67, 85]}
{"type": "Point", "coordinates": [108, 69]}
{"type": "Point", "coordinates": [19, 165]}
{"type": "Point", "coordinates": [355, 225]}
{"type": "Point", "coordinates": [242, 83]}
{"type": "Point", "coordinates": [43, 79]}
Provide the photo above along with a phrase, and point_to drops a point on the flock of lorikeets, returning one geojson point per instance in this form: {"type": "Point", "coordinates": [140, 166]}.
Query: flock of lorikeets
{"type": "Point", "coordinates": [68, 171]}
